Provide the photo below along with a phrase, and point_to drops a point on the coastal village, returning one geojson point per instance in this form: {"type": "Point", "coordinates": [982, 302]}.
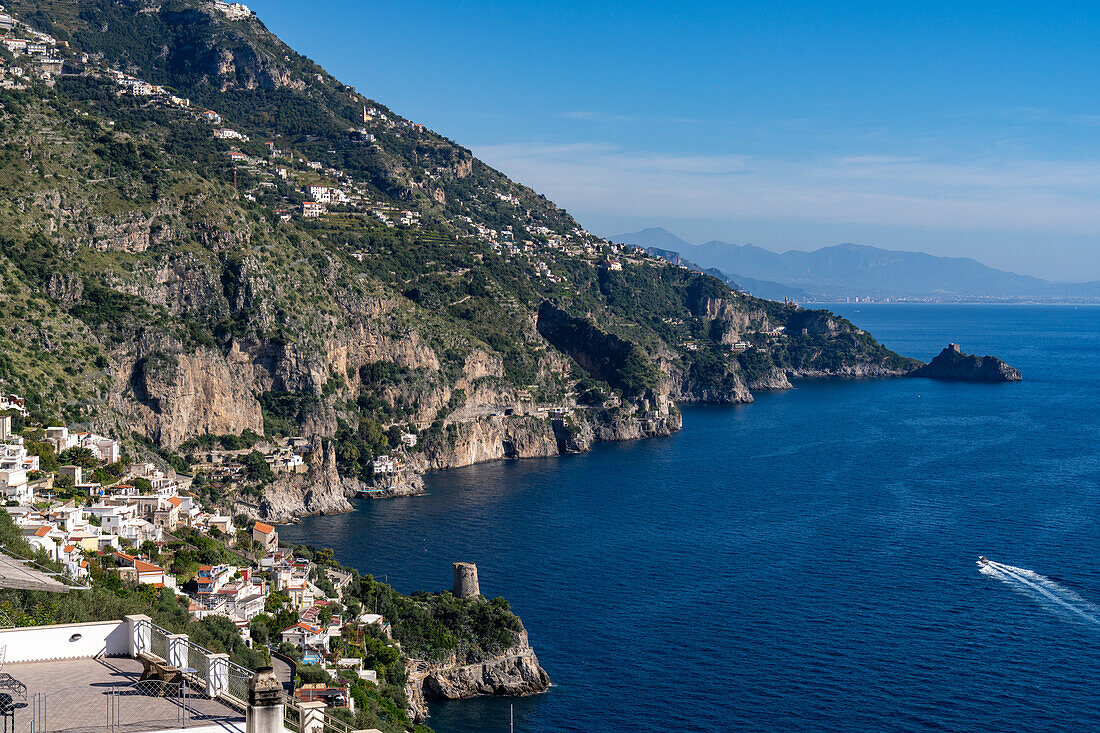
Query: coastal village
{"type": "Point", "coordinates": [78, 500]}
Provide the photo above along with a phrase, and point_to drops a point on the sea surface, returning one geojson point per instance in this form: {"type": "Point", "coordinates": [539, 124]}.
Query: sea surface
{"type": "Point", "coordinates": [805, 562]}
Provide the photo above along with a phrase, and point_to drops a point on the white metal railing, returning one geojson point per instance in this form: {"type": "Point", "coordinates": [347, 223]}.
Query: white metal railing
{"type": "Point", "coordinates": [306, 719]}
{"type": "Point", "coordinates": [158, 641]}
{"type": "Point", "coordinates": [217, 677]}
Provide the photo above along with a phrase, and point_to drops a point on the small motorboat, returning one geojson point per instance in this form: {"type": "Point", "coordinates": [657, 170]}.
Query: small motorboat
{"type": "Point", "coordinates": [983, 560]}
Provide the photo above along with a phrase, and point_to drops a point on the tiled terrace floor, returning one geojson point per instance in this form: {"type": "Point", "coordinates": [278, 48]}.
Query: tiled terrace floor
{"type": "Point", "coordinates": [75, 696]}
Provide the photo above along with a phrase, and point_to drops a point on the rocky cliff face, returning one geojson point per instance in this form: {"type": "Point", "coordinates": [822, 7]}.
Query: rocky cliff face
{"type": "Point", "coordinates": [495, 438]}
{"type": "Point", "coordinates": [321, 490]}
{"type": "Point", "coordinates": [171, 396]}
{"type": "Point", "coordinates": [775, 379]}
{"type": "Point", "coordinates": [953, 365]}
{"type": "Point", "coordinates": [512, 673]}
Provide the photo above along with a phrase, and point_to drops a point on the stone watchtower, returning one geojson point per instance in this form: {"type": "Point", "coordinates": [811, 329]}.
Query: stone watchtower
{"type": "Point", "coordinates": [466, 585]}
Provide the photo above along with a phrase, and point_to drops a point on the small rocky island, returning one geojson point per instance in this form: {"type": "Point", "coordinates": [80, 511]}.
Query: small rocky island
{"type": "Point", "coordinates": [953, 365]}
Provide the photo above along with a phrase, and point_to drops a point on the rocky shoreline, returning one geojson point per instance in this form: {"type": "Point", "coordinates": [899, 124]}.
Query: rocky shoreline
{"type": "Point", "coordinates": [539, 433]}
{"type": "Point", "coordinates": [322, 490]}
{"type": "Point", "coordinates": [515, 672]}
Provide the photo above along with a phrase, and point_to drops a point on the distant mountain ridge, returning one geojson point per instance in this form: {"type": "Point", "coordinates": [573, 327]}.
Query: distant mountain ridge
{"type": "Point", "coordinates": [759, 288]}
{"type": "Point", "coordinates": [852, 270]}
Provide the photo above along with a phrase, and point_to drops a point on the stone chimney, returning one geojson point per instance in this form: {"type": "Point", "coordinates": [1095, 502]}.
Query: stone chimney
{"type": "Point", "coordinates": [466, 585]}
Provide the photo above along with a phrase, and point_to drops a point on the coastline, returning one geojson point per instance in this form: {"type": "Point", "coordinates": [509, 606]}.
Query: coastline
{"type": "Point", "coordinates": [487, 446]}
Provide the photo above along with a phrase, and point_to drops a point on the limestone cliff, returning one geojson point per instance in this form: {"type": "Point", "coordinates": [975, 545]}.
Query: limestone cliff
{"type": "Point", "coordinates": [774, 379]}
{"type": "Point", "coordinates": [171, 396]}
{"type": "Point", "coordinates": [321, 490]}
{"type": "Point", "coordinates": [512, 673]}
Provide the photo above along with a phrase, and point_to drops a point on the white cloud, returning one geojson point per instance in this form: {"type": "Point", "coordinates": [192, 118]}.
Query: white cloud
{"type": "Point", "coordinates": [1021, 195]}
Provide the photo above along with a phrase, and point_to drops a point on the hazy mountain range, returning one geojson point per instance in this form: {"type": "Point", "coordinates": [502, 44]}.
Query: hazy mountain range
{"type": "Point", "coordinates": [851, 270]}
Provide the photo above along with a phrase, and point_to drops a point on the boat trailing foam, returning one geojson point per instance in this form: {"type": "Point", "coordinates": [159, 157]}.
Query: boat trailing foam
{"type": "Point", "coordinates": [1050, 593]}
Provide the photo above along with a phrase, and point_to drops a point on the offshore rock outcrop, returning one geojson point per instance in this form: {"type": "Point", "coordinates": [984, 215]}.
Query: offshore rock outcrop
{"type": "Point", "coordinates": [953, 365]}
{"type": "Point", "coordinates": [514, 672]}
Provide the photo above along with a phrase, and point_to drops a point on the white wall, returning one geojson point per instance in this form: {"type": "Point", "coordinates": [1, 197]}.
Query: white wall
{"type": "Point", "coordinates": [42, 643]}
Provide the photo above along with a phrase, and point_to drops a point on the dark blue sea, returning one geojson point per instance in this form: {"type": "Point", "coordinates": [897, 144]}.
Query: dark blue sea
{"type": "Point", "coordinates": [803, 563]}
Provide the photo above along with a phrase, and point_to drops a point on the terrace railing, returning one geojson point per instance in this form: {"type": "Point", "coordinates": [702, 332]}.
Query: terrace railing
{"type": "Point", "coordinates": [213, 675]}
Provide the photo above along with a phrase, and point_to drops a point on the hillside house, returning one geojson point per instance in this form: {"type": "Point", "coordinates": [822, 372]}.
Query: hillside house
{"type": "Point", "coordinates": [59, 437]}
{"type": "Point", "coordinates": [312, 210]}
{"type": "Point", "coordinates": [13, 402]}
{"type": "Point", "coordinates": [44, 537]}
{"type": "Point", "coordinates": [325, 194]}
{"type": "Point", "coordinates": [14, 485]}
{"type": "Point", "coordinates": [384, 465]}
{"type": "Point", "coordinates": [225, 133]}
{"type": "Point", "coordinates": [221, 523]}
{"type": "Point", "coordinates": [210, 579]}
{"type": "Point", "coordinates": [232, 11]}
{"type": "Point", "coordinates": [13, 455]}
{"type": "Point", "coordinates": [266, 536]}
{"type": "Point", "coordinates": [306, 636]}
{"type": "Point", "coordinates": [112, 517]}
{"type": "Point", "coordinates": [167, 513]}
{"type": "Point", "coordinates": [72, 557]}
{"type": "Point", "coordinates": [147, 572]}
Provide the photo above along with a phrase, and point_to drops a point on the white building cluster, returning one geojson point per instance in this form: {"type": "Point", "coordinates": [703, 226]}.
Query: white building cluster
{"type": "Point", "coordinates": [233, 11]}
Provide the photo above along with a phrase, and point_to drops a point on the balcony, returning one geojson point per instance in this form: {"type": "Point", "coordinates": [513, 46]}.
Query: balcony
{"type": "Point", "coordinates": [132, 676]}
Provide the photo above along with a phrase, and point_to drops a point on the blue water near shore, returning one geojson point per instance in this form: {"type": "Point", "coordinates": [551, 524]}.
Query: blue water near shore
{"type": "Point", "coordinates": [805, 562]}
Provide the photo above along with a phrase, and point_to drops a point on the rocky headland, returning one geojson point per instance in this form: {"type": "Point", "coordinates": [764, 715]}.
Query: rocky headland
{"type": "Point", "coordinates": [953, 365]}
{"type": "Point", "coordinates": [513, 672]}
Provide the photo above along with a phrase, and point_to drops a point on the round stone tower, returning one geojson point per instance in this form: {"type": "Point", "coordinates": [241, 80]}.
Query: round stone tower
{"type": "Point", "coordinates": [466, 585]}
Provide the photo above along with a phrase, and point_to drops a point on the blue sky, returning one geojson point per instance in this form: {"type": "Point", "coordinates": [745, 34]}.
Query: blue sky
{"type": "Point", "coordinates": [966, 129]}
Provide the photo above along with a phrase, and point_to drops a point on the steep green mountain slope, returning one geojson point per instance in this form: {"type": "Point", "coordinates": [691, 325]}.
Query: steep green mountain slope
{"type": "Point", "coordinates": [182, 293]}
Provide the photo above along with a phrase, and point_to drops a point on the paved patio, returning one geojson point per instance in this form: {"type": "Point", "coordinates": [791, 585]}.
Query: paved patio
{"type": "Point", "coordinates": [74, 697]}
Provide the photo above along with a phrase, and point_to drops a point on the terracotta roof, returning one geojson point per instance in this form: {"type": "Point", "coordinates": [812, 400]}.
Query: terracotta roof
{"type": "Point", "coordinates": [265, 528]}
{"type": "Point", "coordinates": [147, 567]}
{"type": "Point", "coordinates": [175, 501]}
{"type": "Point", "coordinates": [42, 531]}
{"type": "Point", "coordinates": [304, 626]}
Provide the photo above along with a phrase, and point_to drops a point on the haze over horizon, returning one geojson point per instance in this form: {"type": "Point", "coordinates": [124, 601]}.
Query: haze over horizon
{"type": "Point", "coordinates": [957, 131]}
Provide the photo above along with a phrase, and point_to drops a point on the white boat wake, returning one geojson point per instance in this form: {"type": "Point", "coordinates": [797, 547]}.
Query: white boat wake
{"type": "Point", "coordinates": [1049, 593]}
